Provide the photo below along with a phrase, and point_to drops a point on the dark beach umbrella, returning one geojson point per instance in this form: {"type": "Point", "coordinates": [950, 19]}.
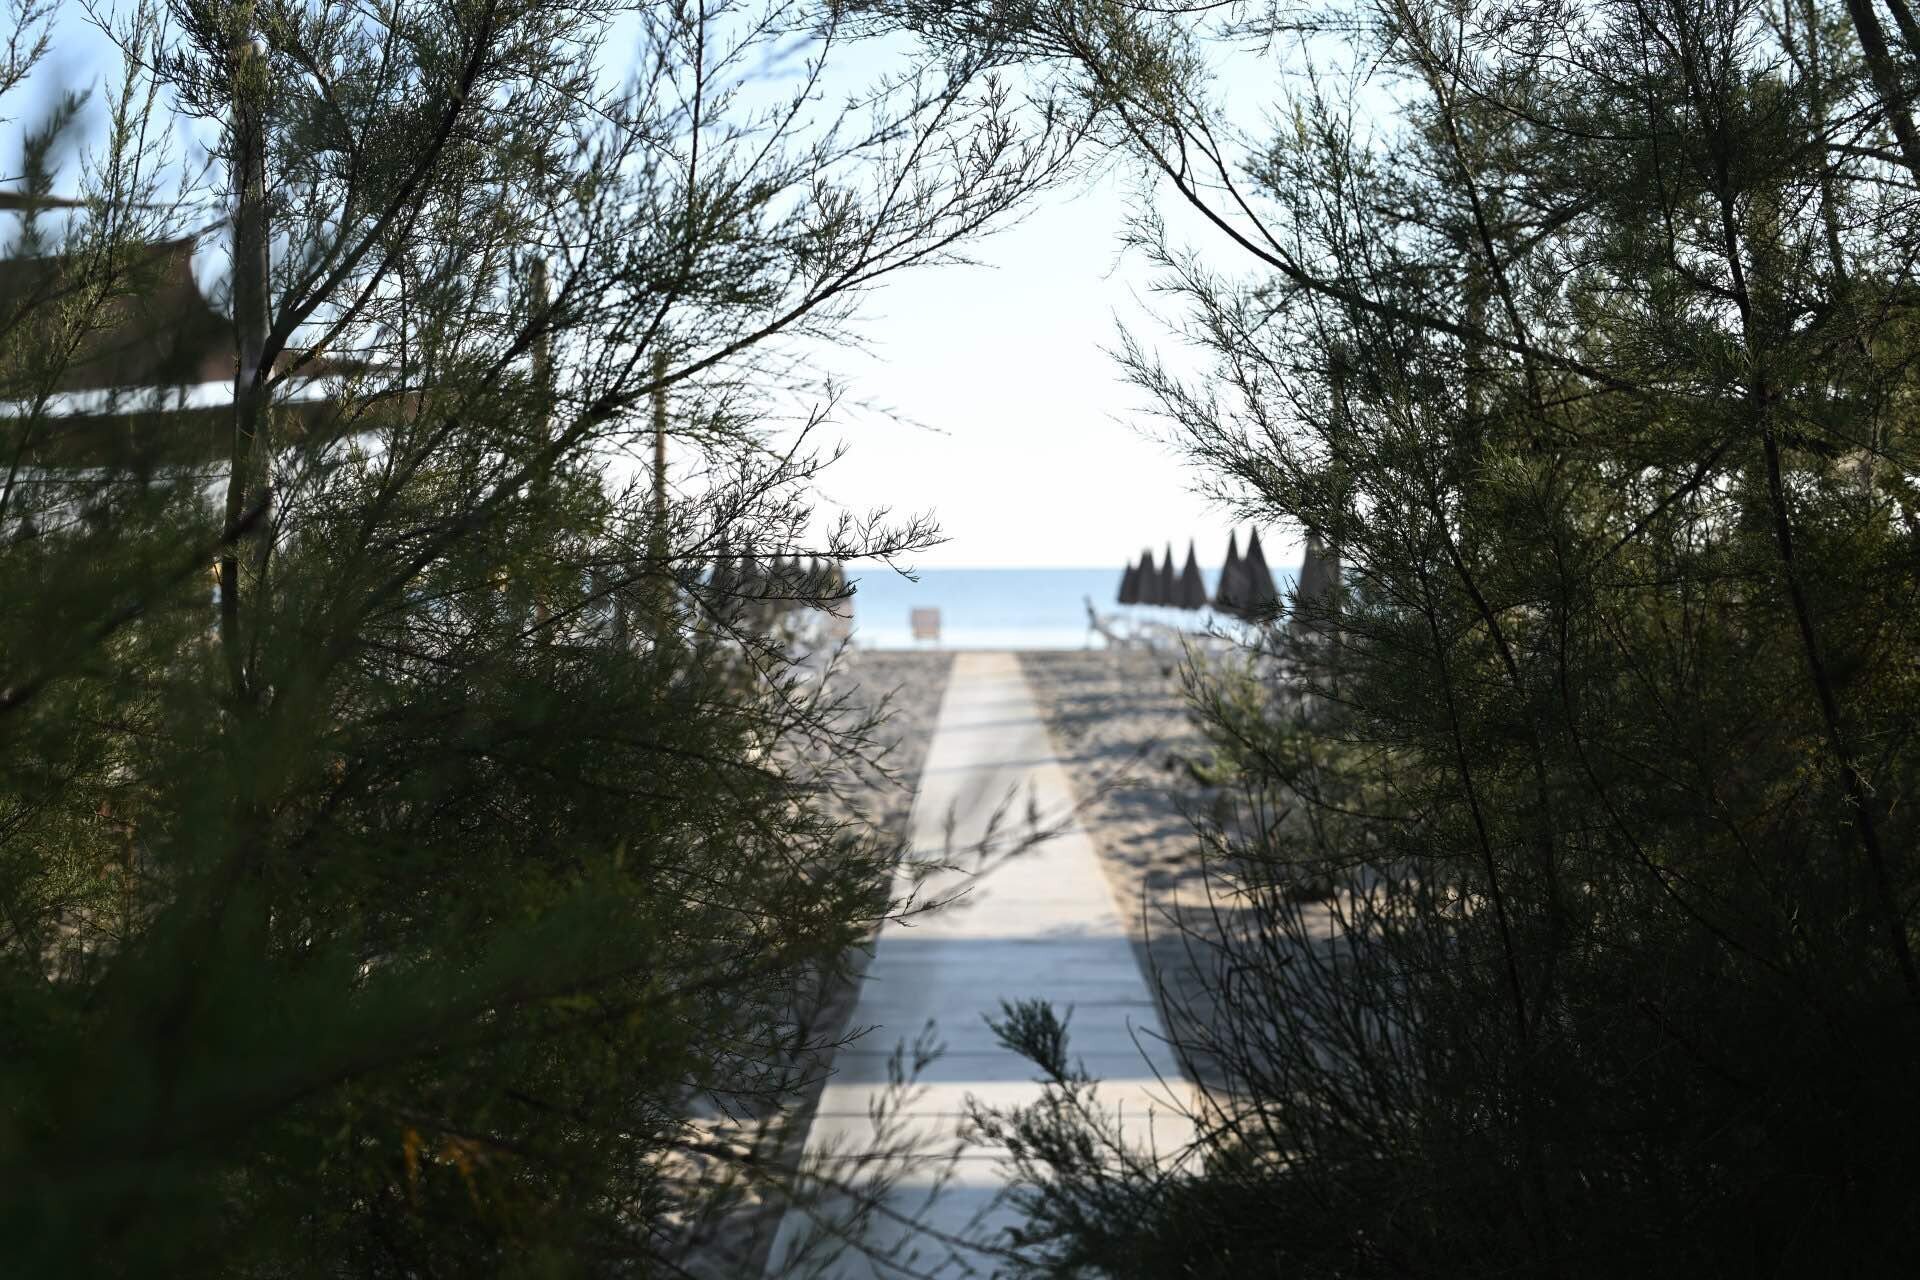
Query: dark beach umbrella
{"type": "Point", "coordinates": [749, 581]}
{"type": "Point", "coordinates": [1260, 594]}
{"type": "Point", "coordinates": [824, 575]}
{"type": "Point", "coordinates": [1319, 580]}
{"type": "Point", "coordinates": [1169, 581]}
{"type": "Point", "coordinates": [1146, 580]}
{"type": "Point", "coordinates": [1319, 573]}
{"type": "Point", "coordinates": [1193, 587]}
{"type": "Point", "coordinates": [1230, 597]}
{"type": "Point", "coordinates": [821, 584]}
{"type": "Point", "coordinates": [724, 577]}
{"type": "Point", "coordinates": [1129, 586]}
{"type": "Point", "coordinates": [826, 578]}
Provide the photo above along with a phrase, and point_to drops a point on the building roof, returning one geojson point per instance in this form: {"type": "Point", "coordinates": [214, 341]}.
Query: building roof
{"type": "Point", "coordinates": [150, 379]}
{"type": "Point", "coordinates": [157, 331]}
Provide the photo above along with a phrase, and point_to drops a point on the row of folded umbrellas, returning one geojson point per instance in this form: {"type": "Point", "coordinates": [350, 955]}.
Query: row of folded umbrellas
{"type": "Point", "coordinates": [1245, 589]}
{"type": "Point", "coordinates": [779, 578]}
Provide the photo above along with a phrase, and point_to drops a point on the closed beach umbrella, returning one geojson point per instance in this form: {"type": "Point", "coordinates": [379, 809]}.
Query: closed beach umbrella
{"type": "Point", "coordinates": [749, 580]}
{"type": "Point", "coordinates": [726, 582]}
{"type": "Point", "coordinates": [1319, 573]}
{"type": "Point", "coordinates": [826, 578]}
{"type": "Point", "coordinates": [1230, 597]}
{"type": "Point", "coordinates": [1146, 581]}
{"type": "Point", "coordinates": [1260, 594]}
{"type": "Point", "coordinates": [1319, 580]}
{"type": "Point", "coordinates": [1169, 581]}
{"type": "Point", "coordinates": [722, 580]}
{"type": "Point", "coordinates": [1193, 587]}
{"type": "Point", "coordinates": [1129, 586]}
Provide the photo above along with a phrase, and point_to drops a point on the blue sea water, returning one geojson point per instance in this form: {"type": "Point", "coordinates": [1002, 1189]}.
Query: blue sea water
{"type": "Point", "coordinates": [1002, 608]}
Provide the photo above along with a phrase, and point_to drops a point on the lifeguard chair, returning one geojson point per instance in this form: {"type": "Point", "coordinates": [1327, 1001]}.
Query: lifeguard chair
{"type": "Point", "coordinates": [926, 624]}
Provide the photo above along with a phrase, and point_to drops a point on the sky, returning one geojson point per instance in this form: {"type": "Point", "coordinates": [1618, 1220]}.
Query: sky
{"type": "Point", "coordinates": [1033, 451]}
{"type": "Point", "coordinates": [1011, 424]}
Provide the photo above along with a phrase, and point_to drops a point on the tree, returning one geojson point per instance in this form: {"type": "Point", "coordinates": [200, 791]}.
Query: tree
{"type": "Point", "coordinates": [1566, 927]}
{"type": "Point", "coordinates": [397, 908]}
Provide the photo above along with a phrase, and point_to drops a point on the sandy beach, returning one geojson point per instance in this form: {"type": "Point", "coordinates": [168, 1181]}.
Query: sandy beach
{"type": "Point", "coordinates": [907, 686]}
{"type": "Point", "coordinates": [1119, 725]}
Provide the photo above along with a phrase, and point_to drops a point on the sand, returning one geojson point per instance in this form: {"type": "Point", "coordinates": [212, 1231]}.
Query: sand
{"type": "Point", "coordinates": [1119, 723]}
{"type": "Point", "coordinates": [911, 684]}
{"type": "Point", "coordinates": [1041, 921]}
{"type": "Point", "coordinates": [907, 686]}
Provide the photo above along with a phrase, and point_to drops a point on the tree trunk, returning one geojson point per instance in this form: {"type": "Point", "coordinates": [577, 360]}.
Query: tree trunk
{"type": "Point", "coordinates": [251, 322]}
{"type": "Point", "coordinates": [1886, 80]}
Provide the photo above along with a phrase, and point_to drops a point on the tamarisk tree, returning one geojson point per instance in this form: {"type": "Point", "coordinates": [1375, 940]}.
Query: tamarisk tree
{"type": "Point", "coordinates": [395, 852]}
{"type": "Point", "coordinates": [1566, 924]}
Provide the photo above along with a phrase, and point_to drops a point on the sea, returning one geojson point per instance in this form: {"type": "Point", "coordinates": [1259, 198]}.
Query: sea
{"type": "Point", "coordinates": [1004, 608]}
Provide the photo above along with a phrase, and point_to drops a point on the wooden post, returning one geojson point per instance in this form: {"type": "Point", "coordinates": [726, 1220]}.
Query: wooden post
{"type": "Point", "coordinates": [251, 261]}
{"type": "Point", "coordinates": [663, 605]}
{"type": "Point", "coordinates": [660, 442]}
{"type": "Point", "coordinates": [251, 322]}
{"type": "Point", "coordinates": [539, 290]}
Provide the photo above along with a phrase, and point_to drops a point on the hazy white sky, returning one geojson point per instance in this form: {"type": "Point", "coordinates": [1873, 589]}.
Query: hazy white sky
{"type": "Point", "coordinates": [1030, 451]}
{"type": "Point", "coordinates": [1035, 453]}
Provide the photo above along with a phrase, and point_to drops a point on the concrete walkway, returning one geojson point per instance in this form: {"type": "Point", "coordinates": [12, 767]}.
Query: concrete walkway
{"type": "Point", "coordinates": [1042, 924]}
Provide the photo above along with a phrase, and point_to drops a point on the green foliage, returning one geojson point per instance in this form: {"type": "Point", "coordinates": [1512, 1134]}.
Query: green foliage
{"type": "Point", "coordinates": [428, 891]}
{"type": "Point", "coordinates": [1566, 907]}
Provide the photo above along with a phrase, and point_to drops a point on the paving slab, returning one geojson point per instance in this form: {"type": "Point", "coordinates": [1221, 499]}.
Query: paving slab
{"type": "Point", "coordinates": [1037, 923]}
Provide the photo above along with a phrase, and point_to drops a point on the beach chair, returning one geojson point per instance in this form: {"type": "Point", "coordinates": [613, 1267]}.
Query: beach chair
{"type": "Point", "coordinates": [1101, 627]}
{"type": "Point", "coordinates": [926, 624]}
